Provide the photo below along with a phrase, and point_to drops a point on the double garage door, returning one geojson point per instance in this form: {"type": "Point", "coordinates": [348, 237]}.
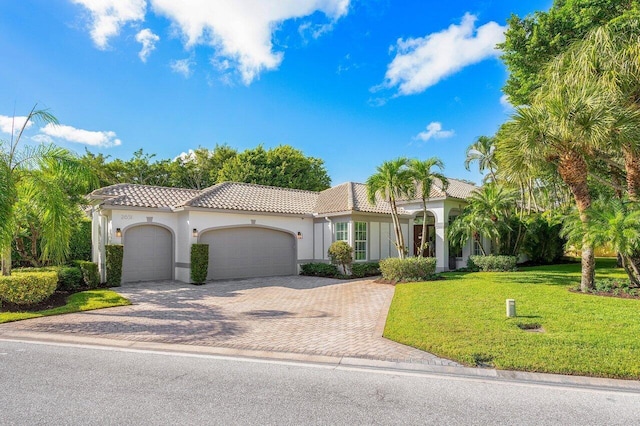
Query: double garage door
{"type": "Point", "coordinates": [233, 253]}
{"type": "Point", "coordinates": [249, 252]}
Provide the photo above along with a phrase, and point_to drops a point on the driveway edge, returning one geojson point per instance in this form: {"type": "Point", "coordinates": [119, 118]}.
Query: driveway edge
{"type": "Point", "coordinates": [348, 362]}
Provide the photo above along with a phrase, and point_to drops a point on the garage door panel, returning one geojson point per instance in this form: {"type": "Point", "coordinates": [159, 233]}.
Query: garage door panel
{"type": "Point", "coordinates": [147, 254]}
{"type": "Point", "coordinates": [249, 252]}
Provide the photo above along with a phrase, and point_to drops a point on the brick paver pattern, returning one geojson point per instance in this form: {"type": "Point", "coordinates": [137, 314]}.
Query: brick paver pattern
{"type": "Point", "coordinates": [315, 316]}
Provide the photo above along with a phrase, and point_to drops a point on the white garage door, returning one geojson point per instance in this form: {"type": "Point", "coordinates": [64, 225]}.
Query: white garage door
{"type": "Point", "coordinates": [249, 252]}
{"type": "Point", "coordinates": [147, 254]}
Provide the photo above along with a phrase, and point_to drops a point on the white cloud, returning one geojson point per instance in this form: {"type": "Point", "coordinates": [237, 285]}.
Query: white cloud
{"type": "Point", "coordinates": [434, 131]}
{"type": "Point", "coordinates": [7, 123]}
{"type": "Point", "coordinates": [182, 66]}
{"type": "Point", "coordinates": [104, 139]}
{"type": "Point", "coordinates": [40, 138]}
{"type": "Point", "coordinates": [108, 16]}
{"type": "Point", "coordinates": [506, 103]}
{"type": "Point", "coordinates": [241, 31]}
{"type": "Point", "coordinates": [148, 40]}
{"type": "Point", "coordinates": [422, 62]}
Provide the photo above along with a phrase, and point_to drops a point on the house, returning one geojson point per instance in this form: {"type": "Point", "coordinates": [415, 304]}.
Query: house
{"type": "Point", "coordinates": [255, 230]}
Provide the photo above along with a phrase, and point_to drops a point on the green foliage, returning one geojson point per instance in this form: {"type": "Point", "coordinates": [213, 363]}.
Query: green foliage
{"type": "Point", "coordinates": [542, 243]}
{"type": "Point", "coordinates": [464, 314]}
{"type": "Point", "coordinates": [90, 274]}
{"type": "Point", "coordinates": [495, 263]}
{"type": "Point", "coordinates": [341, 253]}
{"type": "Point", "coordinates": [78, 302]}
{"type": "Point", "coordinates": [409, 269]}
{"type": "Point", "coordinates": [115, 253]}
{"type": "Point", "coordinates": [80, 241]}
{"type": "Point", "coordinates": [27, 288]}
{"type": "Point", "coordinates": [199, 263]}
{"type": "Point", "coordinates": [368, 269]}
{"type": "Point", "coordinates": [319, 270]}
{"type": "Point", "coordinates": [616, 286]}
{"type": "Point", "coordinates": [70, 278]}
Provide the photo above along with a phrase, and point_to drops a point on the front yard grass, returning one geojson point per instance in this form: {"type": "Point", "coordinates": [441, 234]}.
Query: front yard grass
{"type": "Point", "coordinates": [83, 301]}
{"type": "Point", "coordinates": [463, 318]}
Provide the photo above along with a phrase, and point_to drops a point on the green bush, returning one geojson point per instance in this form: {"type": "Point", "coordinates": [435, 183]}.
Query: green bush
{"type": "Point", "coordinates": [495, 263]}
{"type": "Point", "coordinates": [341, 253]}
{"type": "Point", "coordinates": [542, 242]}
{"type": "Point", "coordinates": [369, 269]}
{"type": "Point", "coordinates": [80, 241]}
{"type": "Point", "coordinates": [70, 278]}
{"type": "Point", "coordinates": [27, 288]}
{"type": "Point", "coordinates": [409, 269]}
{"type": "Point", "coordinates": [199, 263]}
{"type": "Point", "coordinates": [90, 275]}
{"type": "Point", "coordinates": [115, 253]}
{"type": "Point", "coordinates": [319, 270]}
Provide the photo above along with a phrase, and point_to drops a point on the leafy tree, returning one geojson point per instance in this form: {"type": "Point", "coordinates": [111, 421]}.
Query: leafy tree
{"type": "Point", "coordinates": [392, 181]}
{"type": "Point", "coordinates": [200, 168]}
{"type": "Point", "coordinates": [283, 166]}
{"type": "Point", "coordinates": [482, 151]}
{"type": "Point", "coordinates": [38, 176]}
{"type": "Point", "coordinates": [424, 177]}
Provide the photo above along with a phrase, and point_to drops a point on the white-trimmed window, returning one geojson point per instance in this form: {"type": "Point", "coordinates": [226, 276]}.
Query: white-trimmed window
{"type": "Point", "coordinates": [342, 231]}
{"type": "Point", "coordinates": [360, 241]}
{"type": "Point", "coordinates": [477, 250]}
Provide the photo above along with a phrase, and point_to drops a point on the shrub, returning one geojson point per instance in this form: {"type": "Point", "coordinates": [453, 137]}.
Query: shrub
{"type": "Point", "coordinates": [495, 263]}
{"type": "Point", "coordinates": [471, 266]}
{"type": "Point", "coordinates": [409, 269]}
{"type": "Point", "coordinates": [370, 269]}
{"type": "Point", "coordinates": [341, 253]}
{"type": "Point", "coordinates": [90, 275]}
{"type": "Point", "coordinates": [115, 252]}
{"type": "Point", "coordinates": [70, 278]}
{"type": "Point", "coordinates": [27, 288]}
{"type": "Point", "coordinates": [542, 242]}
{"type": "Point", "coordinates": [319, 270]}
{"type": "Point", "coordinates": [80, 241]}
{"type": "Point", "coordinates": [199, 263]}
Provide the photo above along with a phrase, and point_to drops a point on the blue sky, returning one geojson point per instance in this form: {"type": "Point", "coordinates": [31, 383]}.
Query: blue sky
{"type": "Point", "coordinates": [354, 82]}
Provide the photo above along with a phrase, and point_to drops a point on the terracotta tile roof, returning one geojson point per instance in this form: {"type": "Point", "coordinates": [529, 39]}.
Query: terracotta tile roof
{"type": "Point", "coordinates": [350, 196]}
{"type": "Point", "coordinates": [456, 189]}
{"type": "Point", "coordinates": [256, 198]}
{"type": "Point", "coordinates": [133, 195]}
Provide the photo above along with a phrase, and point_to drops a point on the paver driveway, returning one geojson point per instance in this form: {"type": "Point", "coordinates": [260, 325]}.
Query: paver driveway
{"type": "Point", "coordinates": [315, 316]}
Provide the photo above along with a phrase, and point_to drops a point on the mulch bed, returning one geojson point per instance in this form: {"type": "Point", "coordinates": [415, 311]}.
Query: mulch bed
{"type": "Point", "coordinates": [57, 299]}
{"type": "Point", "coordinates": [619, 295]}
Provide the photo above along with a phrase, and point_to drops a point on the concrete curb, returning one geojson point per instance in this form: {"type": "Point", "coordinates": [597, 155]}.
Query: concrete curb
{"type": "Point", "coordinates": [330, 361]}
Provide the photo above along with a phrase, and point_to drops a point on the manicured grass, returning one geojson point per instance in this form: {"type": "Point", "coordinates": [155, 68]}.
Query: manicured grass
{"type": "Point", "coordinates": [84, 301]}
{"type": "Point", "coordinates": [463, 318]}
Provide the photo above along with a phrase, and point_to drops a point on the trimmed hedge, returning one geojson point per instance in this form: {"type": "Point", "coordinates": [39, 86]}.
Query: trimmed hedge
{"type": "Point", "coordinates": [80, 241]}
{"type": "Point", "coordinates": [319, 270]}
{"type": "Point", "coordinates": [369, 269]}
{"type": "Point", "coordinates": [409, 269]}
{"type": "Point", "coordinates": [28, 288]}
{"type": "Point", "coordinates": [115, 253]}
{"type": "Point", "coordinates": [199, 263]}
{"type": "Point", "coordinates": [90, 275]}
{"type": "Point", "coordinates": [494, 263]}
{"type": "Point", "coordinates": [341, 253]}
{"type": "Point", "coordinates": [70, 278]}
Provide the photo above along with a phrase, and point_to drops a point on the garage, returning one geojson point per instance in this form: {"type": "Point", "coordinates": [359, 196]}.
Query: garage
{"type": "Point", "coordinates": [148, 254]}
{"type": "Point", "coordinates": [247, 252]}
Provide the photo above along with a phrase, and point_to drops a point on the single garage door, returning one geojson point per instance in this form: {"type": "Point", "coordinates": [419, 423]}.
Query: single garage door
{"type": "Point", "coordinates": [147, 254]}
{"type": "Point", "coordinates": [249, 252]}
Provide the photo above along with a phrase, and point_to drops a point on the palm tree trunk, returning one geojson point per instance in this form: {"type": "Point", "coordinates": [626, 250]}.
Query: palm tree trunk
{"type": "Point", "coordinates": [632, 167]}
{"type": "Point", "coordinates": [6, 260]}
{"type": "Point", "coordinates": [423, 241]}
{"type": "Point", "coordinates": [397, 229]}
{"type": "Point", "coordinates": [573, 170]}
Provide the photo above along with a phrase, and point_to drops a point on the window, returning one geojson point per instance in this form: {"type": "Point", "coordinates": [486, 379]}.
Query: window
{"type": "Point", "coordinates": [477, 250]}
{"type": "Point", "coordinates": [454, 250]}
{"type": "Point", "coordinates": [360, 249]}
{"type": "Point", "coordinates": [342, 231]}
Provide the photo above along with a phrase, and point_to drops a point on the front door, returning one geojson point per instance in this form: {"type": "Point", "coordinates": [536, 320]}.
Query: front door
{"type": "Point", "coordinates": [430, 248]}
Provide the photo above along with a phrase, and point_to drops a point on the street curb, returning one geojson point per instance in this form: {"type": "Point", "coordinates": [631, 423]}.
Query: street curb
{"type": "Point", "coordinates": [335, 361]}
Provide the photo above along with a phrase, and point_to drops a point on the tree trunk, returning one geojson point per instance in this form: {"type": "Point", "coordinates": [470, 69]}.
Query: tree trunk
{"type": "Point", "coordinates": [6, 260]}
{"type": "Point", "coordinates": [423, 242]}
{"type": "Point", "coordinates": [573, 170]}
{"type": "Point", "coordinates": [632, 167]}
{"type": "Point", "coordinates": [397, 229]}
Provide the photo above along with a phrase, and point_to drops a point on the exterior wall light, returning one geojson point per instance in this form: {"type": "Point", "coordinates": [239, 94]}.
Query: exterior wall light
{"type": "Point", "coordinates": [194, 233]}
{"type": "Point", "coordinates": [118, 232]}
{"type": "Point", "coordinates": [299, 235]}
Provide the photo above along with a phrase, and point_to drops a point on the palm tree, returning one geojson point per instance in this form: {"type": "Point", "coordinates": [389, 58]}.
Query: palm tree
{"type": "Point", "coordinates": [391, 182]}
{"type": "Point", "coordinates": [41, 174]}
{"type": "Point", "coordinates": [471, 224]}
{"type": "Point", "coordinates": [482, 151]}
{"type": "Point", "coordinates": [424, 178]}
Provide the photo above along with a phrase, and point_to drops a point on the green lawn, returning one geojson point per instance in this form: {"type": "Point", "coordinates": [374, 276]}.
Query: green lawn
{"type": "Point", "coordinates": [463, 318]}
{"type": "Point", "coordinates": [84, 301]}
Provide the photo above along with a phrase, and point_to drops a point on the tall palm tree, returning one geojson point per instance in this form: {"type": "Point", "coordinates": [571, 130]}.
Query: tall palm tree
{"type": "Point", "coordinates": [424, 178]}
{"type": "Point", "coordinates": [482, 151]}
{"type": "Point", "coordinates": [391, 182]}
{"type": "Point", "coordinates": [40, 174]}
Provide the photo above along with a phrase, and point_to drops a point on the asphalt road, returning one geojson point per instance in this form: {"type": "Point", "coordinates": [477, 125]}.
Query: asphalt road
{"type": "Point", "coordinates": [52, 384]}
